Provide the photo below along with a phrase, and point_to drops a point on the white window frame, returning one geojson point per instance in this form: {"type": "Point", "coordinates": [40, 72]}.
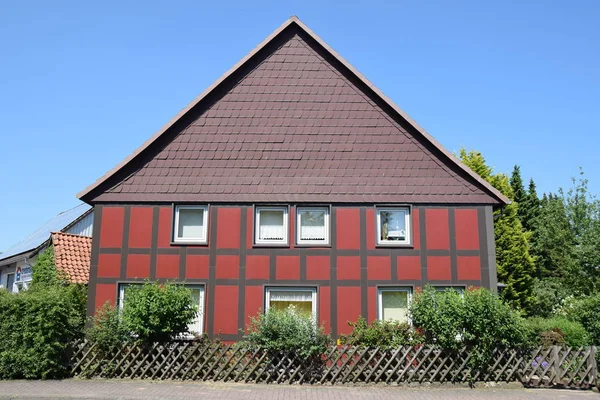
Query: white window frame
{"type": "Point", "coordinates": [122, 287]}
{"type": "Point", "coordinates": [299, 239]}
{"type": "Point", "coordinates": [312, 290]}
{"type": "Point", "coordinates": [442, 288]}
{"type": "Point", "coordinates": [407, 225]}
{"type": "Point", "coordinates": [257, 211]}
{"type": "Point", "coordinates": [380, 292]}
{"type": "Point", "coordinates": [203, 238]}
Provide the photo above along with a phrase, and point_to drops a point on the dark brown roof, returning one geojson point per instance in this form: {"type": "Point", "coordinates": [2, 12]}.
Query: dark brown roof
{"type": "Point", "coordinates": [72, 255]}
{"type": "Point", "coordinates": [292, 122]}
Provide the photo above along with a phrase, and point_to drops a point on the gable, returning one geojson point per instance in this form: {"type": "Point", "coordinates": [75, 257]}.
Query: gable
{"type": "Point", "coordinates": [293, 124]}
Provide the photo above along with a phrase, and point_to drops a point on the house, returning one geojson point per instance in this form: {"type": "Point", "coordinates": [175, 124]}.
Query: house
{"type": "Point", "coordinates": [70, 232]}
{"type": "Point", "coordinates": [291, 180]}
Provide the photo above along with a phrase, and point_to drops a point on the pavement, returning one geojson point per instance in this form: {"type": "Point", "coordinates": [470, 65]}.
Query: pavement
{"type": "Point", "coordinates": [132, 389]}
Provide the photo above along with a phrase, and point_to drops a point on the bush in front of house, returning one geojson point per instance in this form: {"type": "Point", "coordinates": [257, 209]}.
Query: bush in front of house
{"type": "Point", "coordinates": [36, 329]}
{"type": "Point", "coordinates": [288, 330]}
{"type": "Point", "coordinates": [383, 334]}
{"type": "Point", "coordinates": [586, 311]}
{"type": "Point", "coordinates": [476, 318]}
{"type": "Point", "coordinates": [152, 313]}
{"type": "Point", "coordinates": [557, 331]}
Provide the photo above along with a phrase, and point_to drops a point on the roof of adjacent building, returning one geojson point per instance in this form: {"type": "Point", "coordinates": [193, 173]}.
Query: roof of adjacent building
{"type": "Point", "coordinates": [292, 122]}
{"type": "Point", "coordinates": [30, 243]}
{"type": "Point", "coordinates": [72, 255]}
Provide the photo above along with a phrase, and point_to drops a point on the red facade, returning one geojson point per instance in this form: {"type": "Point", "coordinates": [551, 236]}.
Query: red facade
{"type": "Point", "coordinates": [135, 244]}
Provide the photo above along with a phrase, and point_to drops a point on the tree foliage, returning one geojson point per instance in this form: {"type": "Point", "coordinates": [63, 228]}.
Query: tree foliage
{"type": "Point", "coordinates": [515, 264]}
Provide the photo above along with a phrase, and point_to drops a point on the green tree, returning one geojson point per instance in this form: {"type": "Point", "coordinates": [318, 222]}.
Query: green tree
{"type": "Point", "coordinates": [515, 264]}
{"type": "Point", "coordinates": [519, 194]}
{"type": "Point", "coordinates": [531, 208]}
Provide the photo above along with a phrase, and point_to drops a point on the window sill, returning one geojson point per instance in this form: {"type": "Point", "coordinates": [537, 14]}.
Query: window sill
{"type": "Point", "coordinates": [271, 245]}
{"type": "Point", "coordinates": [315, 245]}
{"type": "Point", "coordinates": [396, 245]}
{"type": "Point", "coordinates": [188, 243]}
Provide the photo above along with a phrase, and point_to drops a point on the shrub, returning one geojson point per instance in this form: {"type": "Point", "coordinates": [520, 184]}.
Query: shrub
{"type": "Point", "coordinates": [557, 331]}
{"type": "Point", "coordinates": [382, 334]}
{"type": "Point", "coordinates": [287, 330]}
{"type": "Point", "coordinates": [106, 329]}
{"type": "Point", "coordinates": [158, 312]}
{"type": "Point", "coordinates": [586, 312]}
{"type": "Point", "coordinates": [478, 319]}
{"type": "Point", "coordinates": [36, 330]}
{"type": "Point", "coordinates": [548, 297]}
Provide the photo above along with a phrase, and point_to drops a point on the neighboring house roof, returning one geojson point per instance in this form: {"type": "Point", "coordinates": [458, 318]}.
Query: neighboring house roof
{"type": "Point", "coordinates": [292, 122]}
{"type": "Point", "coordinates": [72, 255]}
{"type": "Point", "coordinates": [28, 246]}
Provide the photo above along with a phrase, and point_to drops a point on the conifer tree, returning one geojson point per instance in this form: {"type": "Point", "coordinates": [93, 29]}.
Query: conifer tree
{"type": "Point", "coordinates": [515, 264]}
{"type": "Point", "coordinates": [519, 194]}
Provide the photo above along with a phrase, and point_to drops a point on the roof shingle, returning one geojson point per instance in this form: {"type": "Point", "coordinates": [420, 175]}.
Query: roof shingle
{"type": "Point", "coordinates": [72, 255]}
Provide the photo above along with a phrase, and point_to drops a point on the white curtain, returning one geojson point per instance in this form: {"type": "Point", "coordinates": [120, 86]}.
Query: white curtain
{"type": "Point", "coordinates": [191, 223]}
{"type": "Point", "coordinates": [271, 225]}
{"type": "Point", "coordinates": [289, 295]}
{"type": "Point", "coordinates": [312, 232]}
{"type": "Point", "coordinates": [395, 305]}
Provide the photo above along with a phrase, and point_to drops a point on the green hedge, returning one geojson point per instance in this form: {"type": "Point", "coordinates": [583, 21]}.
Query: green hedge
{"type": "Point", "coordinates": [557, 331]}
{"type": "Point", "coordinates": [36, 327]}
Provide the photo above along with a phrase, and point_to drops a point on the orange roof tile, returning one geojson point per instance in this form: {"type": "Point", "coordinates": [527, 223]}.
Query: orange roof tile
{"type": "Point", "coordinates": [72, 254]}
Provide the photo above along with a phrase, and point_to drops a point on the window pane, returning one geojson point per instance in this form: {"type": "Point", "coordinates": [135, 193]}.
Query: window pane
{"type": "Point", "coordinates": [271, 225]}
{"type": "Point", "coordinates": [302, 307]}
{"type": "Point", "coordinates": [312, 225]}
{"type": "Point", "coordinates": [392, 225]}
{"type": "Point", "coordinates": [191, 223]}
{"type": "Point", "coordinates": [194, 326]}
{"type": "Point", "coordinates": [10, 280]}
{"type": "Point", "coordinates": [395, 305]}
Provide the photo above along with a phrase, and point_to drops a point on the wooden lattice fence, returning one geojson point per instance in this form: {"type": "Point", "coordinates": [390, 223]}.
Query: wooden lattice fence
{"type": "Point", "coordinates": [186, 360]}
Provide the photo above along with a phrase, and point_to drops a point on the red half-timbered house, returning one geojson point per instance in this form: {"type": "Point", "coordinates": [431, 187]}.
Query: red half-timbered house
{"type": "Point", "coordinates": [291, 180]}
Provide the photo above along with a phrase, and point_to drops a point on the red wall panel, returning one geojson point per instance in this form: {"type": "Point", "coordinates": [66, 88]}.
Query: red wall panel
{"type": "Point", "coordinates": [317, 267]}
{"type": "Point", "coordinates": [348, 305]}
{"type": "Point", "coordinates": [228, 267]}
{"type": "Point", "coordinates": [348, 228]}
{"type": "Point", "coordinates": [140, 227]}
{"type": "Point", "coordinates": [469, 268]}
{"type": "Point", "coordinates": [249, 228]}
{"type": "Point", "coordinates": [438, 268]}
{"type": "Point", "coordinates": [109, 265]}
{"type": "Point", "coordinates": [348, 268]}
{"type": "Point", "coordinates": [438, 234]}
{"type": "Point", "coordinates": [226, 310]}
{"type": "Point", "coordinates": [105, 292]}
{"type": "Point", "coordinates": [288, 268]}
{"type": "Point", "coordinates": [165, 217]}
{"type": "Point", "coordinates": [409, 267]}
{"type": "Point", "coordinates": [416, 229]}
{"type": "Point", "coordinates": [138, 266]}
{"type": "Point", "coordinates": [167, 266]}
{"type": "Point", "coordinates": [228, 228]}
{"type": "Point", "coordinates": [378, 268]}
{"type": "Point", "coordinates": [254, 303]}
{"type": "Point", "coordinates": [257, 267]}
{"type": "Point", "coordinates": [292, 227]}
{"type": "Point", "coordinates": [467, 231]}
{"type": "Point", "coordinates": [111, 229]}
{"type": "Point", "coordinates": [325, 307]}
{"type": "Point", "coordinates": [196, 266]}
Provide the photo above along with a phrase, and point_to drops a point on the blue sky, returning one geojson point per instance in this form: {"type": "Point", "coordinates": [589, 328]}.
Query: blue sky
{"type": "Point", "coordinates": [82, 84]}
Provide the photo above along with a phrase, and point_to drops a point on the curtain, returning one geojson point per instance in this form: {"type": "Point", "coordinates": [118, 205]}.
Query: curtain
{"type": "Point", "coordinates": [312, 232]}
{"type": "Point", "coordinates": [271, 225]}
{"type": "Point", "coordinates": [291, 295]}
{"type": "Point", "coordinates": [191, 223]}
{"type": "Point", "coordinates": [395, 305]}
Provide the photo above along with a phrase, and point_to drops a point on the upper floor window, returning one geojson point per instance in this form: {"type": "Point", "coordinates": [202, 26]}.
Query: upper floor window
{"type": "Point", "coordinates": [313, 225]}
{"type": "Point", "coordinates": [271, 225]}
{"type": "Point", "coordinates": [191, 224]}
{"type": "Point", "coordinates": [393, 225]}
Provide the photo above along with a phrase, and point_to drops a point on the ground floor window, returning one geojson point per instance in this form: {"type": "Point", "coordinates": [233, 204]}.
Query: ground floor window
{"type": "Point", "coordinates": [459, 289]}
{"type": "Point", "coordinates": [393, 303]}
{"type": "Point", "coordinates": [197, 325]}
{"type": "Point", "coordinates": [303, 299]}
